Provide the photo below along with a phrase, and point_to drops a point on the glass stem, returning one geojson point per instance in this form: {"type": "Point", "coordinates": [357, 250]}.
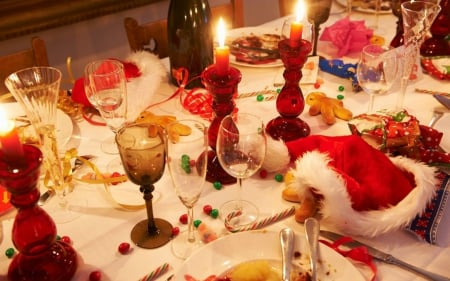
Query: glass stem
{"type": "Point", "coordinates": [402, 93]}
{"type": "Point", "coordinates": [240, 193]}
{"type": "Point", "coordinates": [191, 235]}
{"type": "Point", "coordinates": [371, 100]}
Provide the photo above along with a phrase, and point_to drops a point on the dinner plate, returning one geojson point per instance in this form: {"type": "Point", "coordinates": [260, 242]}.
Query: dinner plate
{"type": "Point", "coordinates": [252, 31]}
{"type": "Point", "coordinates": [363, 6]}
{"type": "Point", "coordinates": [224, 253]}
{"type": "Point", "coordinates": [64, 126]}
{"type": "Point", "coordinates": [442, 125]}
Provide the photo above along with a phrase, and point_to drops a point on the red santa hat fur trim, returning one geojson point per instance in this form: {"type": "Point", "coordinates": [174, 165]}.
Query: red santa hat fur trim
{"type": "Point", "coordinates": [327, 168]}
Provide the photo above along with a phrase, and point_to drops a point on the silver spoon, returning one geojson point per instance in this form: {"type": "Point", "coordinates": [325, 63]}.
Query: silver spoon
{"type": "Point", "coordinates": [312, 228]}
{"type": "Point", "coordinates": [287, 250]}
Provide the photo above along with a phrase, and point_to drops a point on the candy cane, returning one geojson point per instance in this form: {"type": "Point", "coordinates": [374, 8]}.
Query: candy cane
{"type": "Point", "coordinates": [259, 224]}
{"type": "Point", "coordinates": [156, 273]}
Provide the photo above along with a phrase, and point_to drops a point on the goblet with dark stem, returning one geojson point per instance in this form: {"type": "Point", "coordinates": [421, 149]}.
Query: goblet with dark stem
{"type": "Point", "coordinates": [142, 149]}
{"type": "Point", "coordinates": [318, 13]}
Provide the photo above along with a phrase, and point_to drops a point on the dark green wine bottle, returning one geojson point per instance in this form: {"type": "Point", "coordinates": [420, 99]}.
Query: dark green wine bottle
{"type": "Point", "coordinates": [189, 32]}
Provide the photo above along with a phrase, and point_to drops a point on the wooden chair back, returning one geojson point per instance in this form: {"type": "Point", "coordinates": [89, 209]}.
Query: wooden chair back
{"type": "Point", "coordinates": [10, 63]}
{"type": "Point", "coordinates": [152, 36]}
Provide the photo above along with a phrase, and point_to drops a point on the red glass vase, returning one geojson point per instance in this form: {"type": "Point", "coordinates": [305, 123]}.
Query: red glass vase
{"type": "Point", "coordinates": [223, 89]}
{"type": "Point", "coordinates": [41, 257]}
{"type": "Point", "coordinates": [290, 101]}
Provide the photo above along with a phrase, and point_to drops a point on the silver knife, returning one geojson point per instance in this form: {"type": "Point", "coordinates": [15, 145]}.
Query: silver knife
{"type": "Point", "coordinates": [387, 258]}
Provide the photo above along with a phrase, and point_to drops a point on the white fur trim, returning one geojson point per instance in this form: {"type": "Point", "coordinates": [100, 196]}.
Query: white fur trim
{"type": "Point", "coordinates": [312, 170]}
{"type": "Point", "coordinates": [141, 90]}
{"type": "Point", "coordinates": [277, 156]}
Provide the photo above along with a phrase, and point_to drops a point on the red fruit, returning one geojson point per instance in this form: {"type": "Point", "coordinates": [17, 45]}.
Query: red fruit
{"type": "Point", "coordinates": [124, 248]}
{"type": "Point", "coordinates": [184, 219]}
{"type": "Point", "coordinates": [95, 276]}
{"type": "Point", "coordinates": [207, 209]}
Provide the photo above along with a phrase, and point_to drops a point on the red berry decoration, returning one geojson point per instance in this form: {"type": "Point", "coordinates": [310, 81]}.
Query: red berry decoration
{"type": "Point", "coordinates": [184, 219]}
{"type": "Point", "coordinates": [66, 239]}
{"type": "Point", "coordinates": [175, 230]}
{"type": "Point", "coordinates": [124, 248]}
{"type": "Point", "coordinates": [95, 276]}
{"type": "Point", "coordinates": [207, 209]}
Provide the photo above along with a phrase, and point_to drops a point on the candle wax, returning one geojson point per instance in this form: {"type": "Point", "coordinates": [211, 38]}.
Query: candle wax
{"type": "Point", "coordinates": [222, 60]}
{"type": "Point", "coordinates": [11, 146]}
{"type": "Point", "coordinates": [295, 33]}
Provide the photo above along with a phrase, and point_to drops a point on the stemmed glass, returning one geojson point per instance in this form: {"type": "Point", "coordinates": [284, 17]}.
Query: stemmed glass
{"type": "Point", "coordinates": [105, 87]}
{"type": "Point", "coordinates": [318, 13]}
{"type": "Point", "coordinates": [37, 91]}
{"type": "Point", "coordinates": [187, 157]}
{"type": "Point", "coordinates": [142, 149]}
{"type": "Point", "coordinates": [241, 148]}
{"type": "Point", "coordinates": [376, 71]}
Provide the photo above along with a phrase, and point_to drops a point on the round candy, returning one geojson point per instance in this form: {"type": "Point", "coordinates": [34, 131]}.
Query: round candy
{"type": "Point", "coordinates": [124, 248]}
{"type": "Point", "coordinates": [340, 97]}
{"type": "Point", "coordinates": [279, 177]}
{"type": "Point", "coordinates": [95, 276]}
{"type": "Point", "coordinates": [197, 223]}
{"type": "Point", "coordinates": [207, 209]}
{"type": "Point", "coordinates": [184, 218]}
{"type": "Point", "coordinates": [278, 90]}
{"type": "Point", "coordinates": [217, 185]}
{"type": "Point", "coordinates": [66, 239]}
{"type": "Point", "coordinates": [341, 88]}
{"type": "Point", "coordinates": [316, 85]}
{"type": "Point", "coordinates": [175, 230]}
{"type": "Point", "coordinates": [263, 173]}
{"type": "Point", "coordinates": [10, 252]}
{"type": "Point", "coordinates": [214, 213]}
{"type": "Point", "coordinates": [259, 97]}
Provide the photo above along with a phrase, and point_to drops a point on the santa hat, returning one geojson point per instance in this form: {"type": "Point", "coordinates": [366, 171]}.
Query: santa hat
{"type": "Point", "coordinates": [361, 190]}
{"type": "Point", "coordinates": [144, 72]}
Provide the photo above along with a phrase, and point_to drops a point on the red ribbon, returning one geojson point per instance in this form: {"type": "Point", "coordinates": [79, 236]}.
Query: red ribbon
{"type": "Point", "coordinates": [360, 253]}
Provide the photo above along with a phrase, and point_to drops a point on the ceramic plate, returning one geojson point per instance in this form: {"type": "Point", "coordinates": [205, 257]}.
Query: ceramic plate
{"type": "Point", "coordinates": [367, 6]}
{"type": "Point", "coordinates": [442, 125]}
{"type": "Point", "coordinates": [240, 33]}
{"type": "Point", "coordinates": [220, 255]}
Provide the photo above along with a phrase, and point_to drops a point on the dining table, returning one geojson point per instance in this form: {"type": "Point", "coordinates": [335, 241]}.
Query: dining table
{"type": "Point", "coordinates": [103, 223]}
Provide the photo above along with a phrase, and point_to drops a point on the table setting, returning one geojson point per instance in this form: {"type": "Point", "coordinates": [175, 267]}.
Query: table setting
{"type": "Point", "coordinates": [299, 137]}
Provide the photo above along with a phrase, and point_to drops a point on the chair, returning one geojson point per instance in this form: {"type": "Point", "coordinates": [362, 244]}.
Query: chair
{"type": "Point", "coordinates": [286, 7]}
{"type": "Point", "coordinates": [152, 36]}
{"type": "Point", "coordinates": [36, 56]}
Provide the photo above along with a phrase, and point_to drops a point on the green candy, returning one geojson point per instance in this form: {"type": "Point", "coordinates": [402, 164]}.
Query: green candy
{"type": "Point", "coordinates": [259, 97]}
{"type": "Point", "coordinates": [197, 223]}
{"type": "Point", "coordinates": [214, 213]}
{"type": "Point", "coordinates": [279, 177]}
{"type": "Point", "coordinates": [340, 97]}
{"type": "Point", "coordinates": [10, 252]}
{"type": "Point", "coordinates": [217, 185]}
{"type": "Point", "coordinates": [341, 88]}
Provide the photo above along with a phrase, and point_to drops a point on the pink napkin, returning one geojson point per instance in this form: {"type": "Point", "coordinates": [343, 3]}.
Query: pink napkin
{"type": "Point", "coordinates": [348, 36]}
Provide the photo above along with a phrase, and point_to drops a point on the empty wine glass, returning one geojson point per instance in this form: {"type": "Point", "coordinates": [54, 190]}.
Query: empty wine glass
{"type": "Point", "coordinates": [241, 148]}
{"type": "Point", "coordinates": [376, 71]}
{"type": "Point", "coordinates": [37, 91]}
{"type": "Point", "coordinates": [187, 162]}
{"type": "Point", "coordinates": [105, 87]}
{"type": "Point", "coordinates": [318, 12]}
{"type": "Point", "coordinates": [142, 149]}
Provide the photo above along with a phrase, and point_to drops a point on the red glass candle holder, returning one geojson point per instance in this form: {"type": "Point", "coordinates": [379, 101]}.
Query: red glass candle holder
{"type": "Point", "coordinates": [223, 89]}
{"type": "Point", "coordinates": [290, 101]}
{"type": "Point", "coordinates": [41, 257]}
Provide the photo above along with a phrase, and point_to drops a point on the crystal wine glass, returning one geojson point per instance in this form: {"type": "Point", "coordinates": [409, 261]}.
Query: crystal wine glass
{"type": "Point", "coordinates": [241, 148]}
{"type": "Point", "coordinates": [142, 149]}
{"type": "Point", "coordinates": [318, 12]}
{"type": "Point", "coordinates": [105, 87]}
{"type": "Point", "coordinates": [187, 162]}
{"type": "Point", "coordinates": [37, 91]}
{"type": "Point", "coordinates": [376, 71]}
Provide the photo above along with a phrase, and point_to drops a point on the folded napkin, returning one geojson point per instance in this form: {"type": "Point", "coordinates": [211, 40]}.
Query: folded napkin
{"type": "Point", "coordinates": [348, 36]}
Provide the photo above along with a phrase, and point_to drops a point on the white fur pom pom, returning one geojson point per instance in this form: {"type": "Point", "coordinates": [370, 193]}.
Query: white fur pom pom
{"type": "Point", "coordinates": [277, 156]}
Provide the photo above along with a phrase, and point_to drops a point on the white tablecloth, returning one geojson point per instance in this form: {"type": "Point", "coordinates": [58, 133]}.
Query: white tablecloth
{"type": "Point", "coordinates": [99, 230]}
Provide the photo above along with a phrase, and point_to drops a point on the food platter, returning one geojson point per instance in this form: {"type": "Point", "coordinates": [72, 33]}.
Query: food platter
{"type": "Point", "coordinates": [220, 255]}
{"type": "Point", "coordinates": [254, 47]}
{"type": "Point", "coordinates": [368, 6]}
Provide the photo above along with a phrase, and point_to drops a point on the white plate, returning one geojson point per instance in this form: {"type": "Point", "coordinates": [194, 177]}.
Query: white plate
{"type": "Point", "coordinates": [442, 125]}
{"type": "Point", "coordinates": [64, 126]}
{"type": "Point", "coordinates": [219, 256]}
{"type": "Point", "coordinates": [366, 10]}
{"type": "Point", "coordinates": [248, 31]}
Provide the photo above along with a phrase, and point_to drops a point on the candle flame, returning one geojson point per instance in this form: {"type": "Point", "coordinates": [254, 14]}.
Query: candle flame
{"type": "Point", "coordinates": [221, 32]}
{"type": "Point", "coordinates": [299, 11]}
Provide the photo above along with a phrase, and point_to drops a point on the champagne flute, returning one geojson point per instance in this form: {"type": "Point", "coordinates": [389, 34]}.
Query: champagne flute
{"type": "Point", "coordinates": [187, 163]}
{"type": "Point", "coordinates": [37, 91]}
{"type": "Point", "coordinates": [241, 148]}
{"type": "Point", "coordinates": [105, 87]}
{"type": "Point", "coordinates": [376, 71]}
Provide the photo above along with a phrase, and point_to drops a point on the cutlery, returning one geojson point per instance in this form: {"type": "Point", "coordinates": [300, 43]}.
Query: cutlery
{"type": "Point", "coordinates": [437, 114]}
{"type": "Point", "coordinates": [312, 228]}
{"type": "Point", "coordinates": [443, 100]}
{"type": "Point", "coordinates": [287, 250]}
{"type": "Point", "coordinates": [386, 258]}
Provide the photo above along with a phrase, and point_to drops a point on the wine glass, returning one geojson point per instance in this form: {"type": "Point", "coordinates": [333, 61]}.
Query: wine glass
{"type": "Point", "coordinates": [142, 149]}
{"type": "Point", "coordinates": [105, 87]}
{"type": "Point", "coordinates": [37, 91]}
{"type": "Point", "coordinates": [241, 148]}
{"type": "Point", "coordinates": [318, 12]}
{"type": "Point", "coordinates": [187, 162]}
{"type": "Point", "coordinates": [376, 71]}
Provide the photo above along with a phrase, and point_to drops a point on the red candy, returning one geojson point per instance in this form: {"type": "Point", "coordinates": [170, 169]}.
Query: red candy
{"type": "Point", "coordinates": [95, 276]}
{"type": "Point", "coordinates": [175, 231]}
{"type": "Point", "coordinates": [184, 219]}
{"type": "Point", "coordinates": [66, 239]}
{"type": "Point", "coordinates": [124, 248]}
{"type": "Point", "coordinates": [263, 174]}
{"type": "Point", "coordinates": [207, 209]}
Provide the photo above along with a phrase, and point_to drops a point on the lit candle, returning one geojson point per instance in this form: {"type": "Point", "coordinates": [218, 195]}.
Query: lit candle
{"type": "Point", "coordinates": [11, 146]}
{"type": "Point", "coordinates": [222, 52]}
{"type": "Point", "coordinates": [297, 26]}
